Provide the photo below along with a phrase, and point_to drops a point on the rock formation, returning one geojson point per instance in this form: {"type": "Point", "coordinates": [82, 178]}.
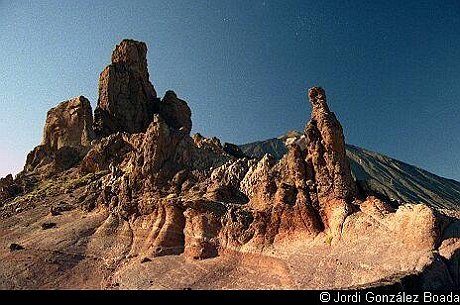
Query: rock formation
{"type": "Point", "coordinates": [175, 112]}
{"type": "Point", "coordinates": [377, 175]}
{"type": "Point", "coordinates": [69, 125]}
{"type": "Point", "coordinates": [127, 99]}
{"type": "Point", "coordinates": [326, 149]}
{"type": "Point", "coordinates": [8, 188]}
{"type": "Point", "coordinates": [327, 159]}
{"type": "Point", "coordinates": [66, 136]}
{"type": "Point", "coordinates": [233, 150]}
{"type": "Point", "coordinates": [149, 194]}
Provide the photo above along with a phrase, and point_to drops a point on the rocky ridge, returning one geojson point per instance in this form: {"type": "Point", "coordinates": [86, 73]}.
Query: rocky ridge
{"type": "Point", "coordinates": [144, 196]}
{"type": "Point", "coordinates": [378, 175]}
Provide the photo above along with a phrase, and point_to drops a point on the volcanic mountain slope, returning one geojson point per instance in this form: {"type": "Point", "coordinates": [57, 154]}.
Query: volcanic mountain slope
{"type": "Point", "coordinates": [379, 175]}
{"type": "Point", "coordinates": [130, 200]}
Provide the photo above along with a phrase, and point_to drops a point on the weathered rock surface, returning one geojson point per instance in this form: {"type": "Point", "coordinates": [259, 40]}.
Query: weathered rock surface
{"type": "Point", "coordinates": [175, 112]}
{"type": "Point", "coordinates": [69, 125]}
{"type": "Point", "coordinates": [378, 175]}
{"type": "Point", "coordinates": [108, 151]}
{"type": "Point", "coordinates": [8, 188]}
{"type": "Point", "coordinates": [327, 158]}
{"type": "Point", "coordinates": [326, 149]}
{"type": "Point", "coordinates": [149, 206]}
{"type": "Point", "coordinates": [127, 99]}
{"type": "Point", "coordinates": [66, 137]}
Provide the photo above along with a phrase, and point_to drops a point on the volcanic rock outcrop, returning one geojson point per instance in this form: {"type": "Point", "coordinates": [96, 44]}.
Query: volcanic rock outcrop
{"type": "Point", "coordinates": [146, 203]}
{"type": "Point", "coordinates": [8, 188]}
{"type": "Point", "coordinates": [327, 159]}
{"type": "Point", "coordinates": [326, 149]}
{"type": "Point", "coordinates": [66, 136]}
{"type": "Point", "coordinates": [69, 124]}
{"type": "Point", "coordinates": [126, 97]}
{"type": "Point", "coordinates": [175, 112]}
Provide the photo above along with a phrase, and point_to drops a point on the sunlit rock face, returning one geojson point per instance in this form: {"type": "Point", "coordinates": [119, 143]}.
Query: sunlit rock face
{"type": "Point", "coordinates": [69, 124]}
{"type": "Point", "coordinates": [327, 158]}
{"type": "Point", "coordinates": [66, 137]}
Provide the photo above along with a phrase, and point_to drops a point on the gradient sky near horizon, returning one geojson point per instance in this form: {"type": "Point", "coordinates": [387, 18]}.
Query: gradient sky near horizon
{"type": "Point", "coordinates": [391, 69]}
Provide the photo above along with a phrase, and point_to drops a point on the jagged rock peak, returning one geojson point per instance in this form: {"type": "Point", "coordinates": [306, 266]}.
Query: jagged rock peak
{"type": "Point", "coordinates": [69, 124]}
{"type": "Point", "coordinates": [327, 158]}
{"type": "Point", "coordinates": [175, 112]}
{"type": "Point", "coordinates": [133, 54]}
{"type": "Point", "coordinates": [162, 192]}
{"type": "Point", "coordinates": [317, 97]}
{"type": "Point", "coordinates": [127, 99]}
{"type": "Point", "coordinates": [327, 148]}
{"type": "Point", "coordinates": [67, 136]}
{"type": "Point", "coordinates": [8, 187]}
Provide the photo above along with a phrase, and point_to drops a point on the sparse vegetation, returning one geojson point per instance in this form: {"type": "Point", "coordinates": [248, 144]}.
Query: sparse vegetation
{"type": "Point", "coordinates": [75, 183]}
{"type": "Point", "coordinates": [328, 239]}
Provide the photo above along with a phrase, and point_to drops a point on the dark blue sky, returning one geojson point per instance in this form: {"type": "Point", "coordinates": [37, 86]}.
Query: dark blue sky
{"type": "Point", "coordinates": [391, 69]}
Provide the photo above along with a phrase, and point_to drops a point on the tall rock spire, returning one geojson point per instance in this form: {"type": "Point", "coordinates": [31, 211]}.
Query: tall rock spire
{"type": "Point", "coordinates": [126, 96]}
{"type": "Point", "coordinates": [132, 54]}
{"type": "Point", "coordinates": [326, 148]}
{"type": "Point", "coordinates": [326, 155]}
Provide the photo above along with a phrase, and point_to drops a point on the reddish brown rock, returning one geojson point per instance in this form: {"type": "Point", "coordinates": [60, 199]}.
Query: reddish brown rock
{"type": "Point", "coordinates": [108, 151]}
{"type": "Point", "coordinates": [326, 150]}
{"type": "Point", "coordinates": [157, 159]}
{"type": "Point", "coordinates": [8, 188]}
{"type": "Point", "coordinates": [283, 191]}
{"type": "Point", "coordinates": [127, 99]}
{"type": "Point", "coordinates": [175, 112]}
{"type": "Point", "coordinates": [147, 198]}
{"type": "Point", "coordinates": [168, 236]}
{"type": "Point", "coordinates": [326, 156]}
{"type": "Point", "coordinates": [201, 231]}
{"type": "Point", "coordinates": [161, 231]}
{"type": "Point", "coordinates": [132, 54]}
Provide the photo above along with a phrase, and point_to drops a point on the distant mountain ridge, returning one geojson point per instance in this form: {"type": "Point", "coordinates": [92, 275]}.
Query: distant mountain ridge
{"type": "Point", "coordinates": [379, 174]}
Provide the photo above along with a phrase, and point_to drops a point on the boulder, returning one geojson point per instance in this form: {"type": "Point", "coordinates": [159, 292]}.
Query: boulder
{"type": "Point", "coordinates": [176, 112]}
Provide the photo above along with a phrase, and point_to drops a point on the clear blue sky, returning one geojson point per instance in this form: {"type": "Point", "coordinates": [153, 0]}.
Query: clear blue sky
{"type": "Point", "coordinates": [391, 69]}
